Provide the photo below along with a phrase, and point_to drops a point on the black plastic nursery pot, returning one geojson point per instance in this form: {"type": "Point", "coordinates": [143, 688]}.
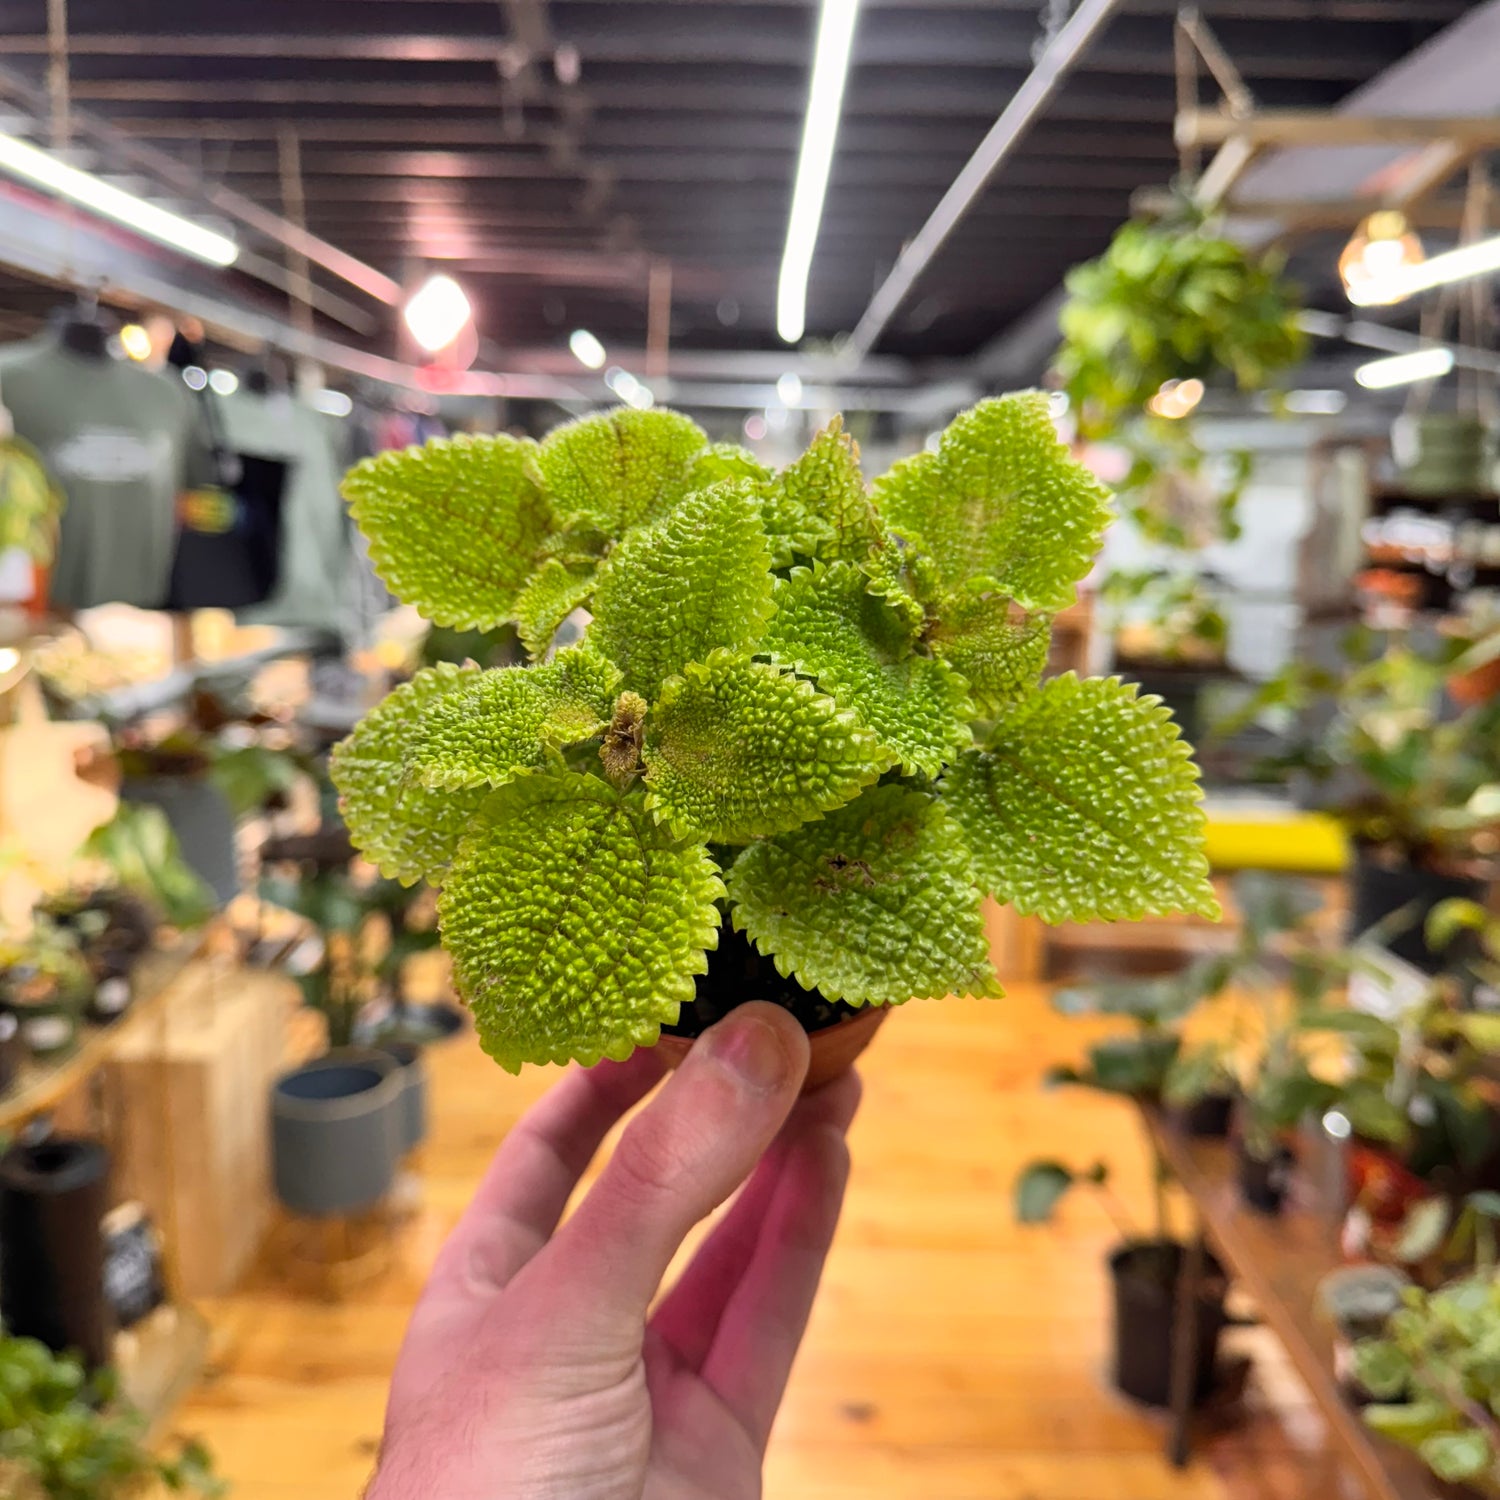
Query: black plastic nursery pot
{"type": "Point", "coordinates": [1145, 1275]}
{"type": "Point", "coordinates": [1265, 1181]}
{"type": "Point", "coordinates": [1379, 889]}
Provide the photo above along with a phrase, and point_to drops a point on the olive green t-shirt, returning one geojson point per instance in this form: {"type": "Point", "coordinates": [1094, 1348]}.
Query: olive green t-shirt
{"type": "Point", "coordinates": [115, 438]}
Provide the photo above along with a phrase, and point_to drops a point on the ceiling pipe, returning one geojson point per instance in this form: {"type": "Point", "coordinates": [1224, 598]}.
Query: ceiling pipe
{"type": "Point", "coordinates": [1033, 96]}
{"type": "Point", "coordinates": [180, 177]}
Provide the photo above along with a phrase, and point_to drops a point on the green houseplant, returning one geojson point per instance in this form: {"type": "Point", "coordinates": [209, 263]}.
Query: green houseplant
{"type": "Point", "coordinates": [804, 711]}
{"type": "Point", "coordinates": [64, 1435]}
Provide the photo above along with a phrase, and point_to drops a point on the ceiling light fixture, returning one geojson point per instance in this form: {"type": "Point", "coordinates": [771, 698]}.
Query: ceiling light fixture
{"type": "Point", "coordinates": [223, 382]}
{"type": "Point", "coordinates": [22, 159]}
{"type": "Point", "coordinates": [587, 350]}
{"type": "Point", "coordinates": [437, 312]}
{"type": "Point", "coordinates": [136, 342]}
{"type": "Point", "coordinates": [825, 102]}
{"type": "Point", "coordinates": [1462, 264]}
{"type": "Point", "coordinates": [1405, 369]}
{"type": "Point", "coordinates": [332, 403]}
{"type": "Point", "coordinates": [1384, 246]}
{"type": "Point", "coordinates": [789, 388]}
{"type": "Point", "coordinates": [1176, 399]}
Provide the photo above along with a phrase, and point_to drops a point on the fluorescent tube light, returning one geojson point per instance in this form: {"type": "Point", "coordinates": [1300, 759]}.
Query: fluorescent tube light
{"type": "Point", "coordinates": [825, 102]}
{"type": "Point", "coordinates": [21, 159]}
{"type": "Point", "coordinates": [1405, 369]}
{"type": "Point", "coordinates": [1481, 259]}
{"type": "Point", "coordinates": [587, 350]}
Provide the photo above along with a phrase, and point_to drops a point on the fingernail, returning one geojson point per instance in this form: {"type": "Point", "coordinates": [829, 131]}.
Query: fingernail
{"type": "Point", "coordinates": [752, 1050]}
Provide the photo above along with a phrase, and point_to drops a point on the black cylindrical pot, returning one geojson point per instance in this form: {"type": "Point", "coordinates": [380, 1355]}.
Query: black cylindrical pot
{"type": "Point", "coordinates": [1206, 1119]}
{"type": "Point", "coordinates": [53, 1198]}
{"type": "Point", "coordinates": [1378, 891]}
{"type": "Point", "coordinates": [12, 1049]}
{"type": "Point", "coordinates": [337, 1125]}
{"type": "Point", "coordinates": [413, 1074]}
{"type": "Point", "coordinates": [1264, 1182]}
{"type": "Point", "coordinates": [1145, 1275]}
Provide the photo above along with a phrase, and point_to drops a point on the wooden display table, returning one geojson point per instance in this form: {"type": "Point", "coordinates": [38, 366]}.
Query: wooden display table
{"type": "Point", "coordinates": [1279, 1259]}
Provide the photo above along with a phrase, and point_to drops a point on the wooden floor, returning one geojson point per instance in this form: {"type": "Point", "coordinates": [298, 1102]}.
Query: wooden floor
{"type": "Point", "coordinates": [952, 1355]}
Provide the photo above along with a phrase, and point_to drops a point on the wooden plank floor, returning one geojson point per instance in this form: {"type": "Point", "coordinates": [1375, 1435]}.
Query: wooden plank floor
{"type": "Point", "coordinates": [952, 1355]}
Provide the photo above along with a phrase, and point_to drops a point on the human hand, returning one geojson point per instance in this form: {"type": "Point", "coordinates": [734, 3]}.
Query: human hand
{"type": "Point", "coordinates": [531, 1369]}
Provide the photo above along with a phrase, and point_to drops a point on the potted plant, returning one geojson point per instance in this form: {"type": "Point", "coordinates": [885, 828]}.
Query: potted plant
{"type": "Point", "coordinates": [114, 927]}
{"type": "Point", "coordinates": [1144, 1272]}
{"type": "Point", "coordinates": [46, 985]}
{"type": "Point", "coordinates": [65, 1435]}
{"type": "Point", "coordinates": [1436, 1381]}
{"type": "Point", "coordinates": [803, 711]}
{"type": "Point", "coordinates": [340, 1123]}
{"type": "Point", "coordinates": [139, 849]}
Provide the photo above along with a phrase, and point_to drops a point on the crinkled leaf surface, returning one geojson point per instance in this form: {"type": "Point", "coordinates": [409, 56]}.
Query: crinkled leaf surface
{"type": "Point", "coordinates": [1085, 804]}
{"type": "Point", "coordinates": [721, 461]}
{"type": "Point", "coordinates": [408, 830]}
{"type": "Point", "coordinates": [696, 580]}
{"type": "Point", "coordinates": [575, 921]}
{"type": "Point", "coordinates": [827, 485]}
{"type": "Point", "coordinates": [736, 749]}
{"type": "Point", "coordinates": [554, 591]}
{"type": "Point", "coordinates": [1000, 501]}
{"type": "Point", "coordinates": [874, 903]}
{"type": "Point", "coordinates": [830, 627]}
{"type": "Point", "coordinates": [454, 527]}
{"type": "Point", "coordinates": [1001, 657]}
{"type": "Point", "coordinates": [620, 468]}
{"type": "Point", "coordinates": [500, 724]}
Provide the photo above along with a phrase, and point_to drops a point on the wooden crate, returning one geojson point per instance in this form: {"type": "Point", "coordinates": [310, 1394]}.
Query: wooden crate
{"type": "Point", "coordinates": [187, 1104]}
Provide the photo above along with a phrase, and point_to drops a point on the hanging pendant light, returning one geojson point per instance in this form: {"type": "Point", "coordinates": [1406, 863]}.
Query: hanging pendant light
{"type": "Point", "coordinates": [1378, 253]}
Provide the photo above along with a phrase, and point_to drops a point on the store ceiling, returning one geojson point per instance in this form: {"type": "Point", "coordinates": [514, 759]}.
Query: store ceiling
{"type": "Point", "coordinates": [678, 140]}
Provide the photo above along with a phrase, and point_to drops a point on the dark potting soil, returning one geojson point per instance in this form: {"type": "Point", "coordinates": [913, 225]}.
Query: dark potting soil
{"type": "Point", "coordinates": [738, 974]}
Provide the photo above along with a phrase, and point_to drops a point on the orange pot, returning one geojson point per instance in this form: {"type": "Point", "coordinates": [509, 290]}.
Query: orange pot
{"type": "Point", "coordinates": [834, 1048]}
{"type": "Point", "coordinates": [1469, 689]}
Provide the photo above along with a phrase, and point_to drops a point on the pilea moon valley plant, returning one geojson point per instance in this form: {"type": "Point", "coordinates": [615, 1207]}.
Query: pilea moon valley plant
{"type": "Point", "coordinates": [804, 709]}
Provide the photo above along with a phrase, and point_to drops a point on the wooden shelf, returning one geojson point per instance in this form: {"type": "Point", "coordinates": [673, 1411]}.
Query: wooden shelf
{"type": "Point", "coordinates": [42, 1084]}
{"type": "Point", "coordinates": [1280, 1259]}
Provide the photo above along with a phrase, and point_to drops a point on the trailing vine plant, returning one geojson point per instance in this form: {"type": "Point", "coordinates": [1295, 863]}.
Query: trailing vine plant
{"type": "Point", "coordinates": [804, 706]}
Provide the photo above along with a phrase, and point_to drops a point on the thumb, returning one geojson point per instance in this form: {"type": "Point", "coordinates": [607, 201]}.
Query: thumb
{"type": "Point", "coordinates": [681, 1156]}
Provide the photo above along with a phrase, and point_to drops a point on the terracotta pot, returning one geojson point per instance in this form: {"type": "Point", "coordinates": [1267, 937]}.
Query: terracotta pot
{"type": "Point", "coordinates": [1469, 689]}
{"type": "Point", "coordinates": [834, 1048]}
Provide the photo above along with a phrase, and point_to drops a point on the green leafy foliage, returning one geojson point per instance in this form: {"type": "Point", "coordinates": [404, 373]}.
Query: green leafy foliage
{"type": "Point", "coordinates": [1084, 803]}
{"type": "Point", "coordinates": [874, 900]}
{"type": "Point", "coordinates": [454, 527]}
{"type": "Point", "coordinates": [737, 750]}
{"type": "Point", "coordinates": [999, 653]}
{"type": "Point", "coordinates": [408, 830]}
{"type": "Point", "coordinates": [144, 857]}
{"type": "Point", "coordinates": [619, 469]}
{"type": "Point", "coordinates": [499, 724]}
{"type": "Point", "coordinates": [762, 649]}
{"type": "Point", "coordinates": [66, 1435]}
{"type": "Point", "coordinates": [1437, 1362]}
{"type": "Point", "coordinates": [30, 503]}
{"type": "Point", "coordinates": [575, 921]}
{"type": "Point", "coordinates": [830, 627]}
{"type": "Point", "coordinates": [1000, 504]}
{"type": "Point", "coordinates": [697, 580]}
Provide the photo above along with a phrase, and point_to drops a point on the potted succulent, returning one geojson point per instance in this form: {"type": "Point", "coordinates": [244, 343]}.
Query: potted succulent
{"type": "Point", "coordinates": [46, 985]}
{"type": "Point", "coordinates": [114, 927]}
{"type": "Point", "coordinates": [805, 712]}
{"type": "Point", "coordinates": [65, 1435]}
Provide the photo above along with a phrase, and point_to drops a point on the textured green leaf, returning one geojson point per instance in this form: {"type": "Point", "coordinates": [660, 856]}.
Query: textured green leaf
{"type": "Point", "coordinates": [555, 590]}
{"type": "Point", "coordinates": [1041, 1186]}
{"type": "Point", "coordinates": [408, 830]}
{"type": "Point", "coordinates": [826, 484]}
{"type": "Point", "coordinates": [501, 724]}
{"type": "Point", "coordinates": [721, 461]}
{"type": "Point", "coordinates": [829, 626]}
{"type": "Point", "coordinates": [1084, 805]}
{"type": "Point", "coordinates": [454, 527]}
{"type": "Point", "coordinates": [1458, 1456]}
{"type": "Point", "coordinates": [696, 580]}
{"type": "Point", "coordinates": [1001, 503]}
{"type": "Point", "coordinates": [874, 903]}
{"type": "Point", "coordinates": [1000, 656]}
{"type": "Point", "coordinates": [889, 577]}
{"type": "Point", "coordinates": [736, 750]}
{"type": "Point", "coordinates": [618, 469]}
{"type": "Point", "coordinates": [575, 921]}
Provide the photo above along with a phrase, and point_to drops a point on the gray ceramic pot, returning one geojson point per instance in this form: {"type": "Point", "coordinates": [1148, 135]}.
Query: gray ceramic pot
{"type": "Point", "coordinates": [413, 1071]}
{"type": "Point", "coordinates": [201, 818]}
{"type": "Point", "coordinates": [337, 1127]}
